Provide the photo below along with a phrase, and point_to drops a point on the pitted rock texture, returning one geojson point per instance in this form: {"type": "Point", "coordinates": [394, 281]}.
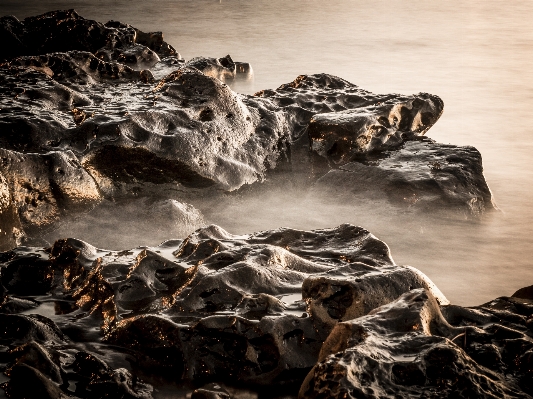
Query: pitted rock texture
{"type": "Point", "coordinates": [61, 31]}
{"type": "Point", "coordinates": [409, 348]}
{"type": "Point", "coordinates": [258, 311]}
{"type": "Point", "coordinates": [215, 307]}
{"type": "Point", "coordinates": [342, 119]}
{"type": "Point", "coordinates": [143, 122]}
{"type": "Point", "coordinates": [45, 187]}
{"type": "Point", "coordinates": [224, 68]}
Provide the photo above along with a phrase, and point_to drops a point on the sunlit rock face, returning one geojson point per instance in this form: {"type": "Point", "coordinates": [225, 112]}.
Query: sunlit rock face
{"type": "Point", "coordinates": [10, 227]}
{"type": "Point", "coordinates": [409, 348]}
{"type": "Point", "coordinates": [44, 187]}
{"type": "Point", "coordinates": [343, 120]}
{"type": "Point", "coordinates": [104, 127]}
{"type": "Point", "coordinates": [258, 311]}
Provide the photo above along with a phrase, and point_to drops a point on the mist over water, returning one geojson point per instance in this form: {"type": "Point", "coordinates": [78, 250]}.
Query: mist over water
{"type": "Point", "coordinates": [476, 55]}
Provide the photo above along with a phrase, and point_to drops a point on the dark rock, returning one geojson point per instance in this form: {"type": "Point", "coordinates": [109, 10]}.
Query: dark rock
{"type": "Point", "coordinates": [224, 68]}
{"type": "Point", "coordinates": [525, 293]}
{"type": "Point", "coordinates": [98, 380]}
{"type": "Point", "coordinates": [255, 311]}
{"type": "Point", "coordinates": [61, 31]}
{"type": "Point", "coordinates": [211, 391]}
{"type": "Point", "coordinates": [407, 349]}
{"type": "Point", "coordinates": [78, 67]}
{"type": "Point", "coordinates": [20, 329]}
{"type": "Point", "coordinates": [37, 356]}
{"type": "Point", "coordinates": [421, 175]}
{"type": "Point", "coordinates": [27, 275]}
{"type": "Point", "coordinates": [28, 382]}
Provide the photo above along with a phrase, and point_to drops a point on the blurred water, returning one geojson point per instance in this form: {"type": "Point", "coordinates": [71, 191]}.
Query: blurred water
{"type": "Point", "coordinates": [476, 55]}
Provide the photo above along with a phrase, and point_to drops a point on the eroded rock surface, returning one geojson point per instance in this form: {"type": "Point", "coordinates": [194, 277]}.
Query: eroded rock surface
{"type": "Point", "coordinates": [420, 175]}
{"type": "Point", "coordinates": [409, 349]}
{"type": "Point", "coordinates": [143, 122]}
{"type": "Point", "coordinates": [258, 311]}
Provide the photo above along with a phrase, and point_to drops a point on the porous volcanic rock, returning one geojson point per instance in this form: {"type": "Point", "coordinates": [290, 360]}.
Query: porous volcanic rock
{"type": "Point", "coordinates": [407, 349]}
{"type": "Point", "coordinates": [44, 187]}
{"type": "Point", "coordinates": [215, 307]}
{"type": "Point", "coordinates": [223, 68]}
{"type": "Point", "coordinates": [10, 227]}
{"type": "Point", "coordinates": [342, 119]}
{"type": "Point", "coordinates": [62, 31]}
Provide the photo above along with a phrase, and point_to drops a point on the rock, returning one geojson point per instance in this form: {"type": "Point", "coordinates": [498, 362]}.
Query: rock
{"type": "Point", "coordinates": [61, 31]}
{"type": "Point", "coordinates": [321, 104]}
{"type": "Point", "coordinates": [211, 391]}
{"type": "Point", "coordinates": [407, 348]}
{"type": "Point", "coordinates": [525, 293]}
{"type": "Point", "coordinates": [224, 68]}
{"type": "Point", "coordinates": [28, 382]}
{"type": "Point", "coordinates": [81, 67]}
{"type": "Point", "coordinates": [11, 231]}
{"type": "Point", "coordinates": [98, 380]}
{"type": "Point", "coordinates": [44, 187]}
{"type": "Point", "coordinates": [421, 175]}
{"type": "Point", "coordinates": [20, 329]}
{"type": "Point", "coordinates": [259, 311]}
{"type": "Point", "coordinates": [339, 136]}
{"type": "Point", "coordinates": [37, 356]}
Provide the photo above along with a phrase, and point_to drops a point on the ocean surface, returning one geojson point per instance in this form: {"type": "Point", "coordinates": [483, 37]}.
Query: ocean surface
{"type": "Point", "coordinates": [476, 55]}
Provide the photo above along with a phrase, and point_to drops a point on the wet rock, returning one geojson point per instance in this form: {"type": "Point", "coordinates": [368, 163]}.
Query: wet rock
{"type": "Point", "coordinates": [224, 68]}
{"type": "Point", "coordinates": [29, 382]}
{"type": "Point", "coordinates": [211, 391]}
{"type": "Point", "coordinates": [259, 311]}
{"type": "Point", "coordinates": [78, 67]}
{"type": "Point", "coordinates": [98, 380]}
{"type": "Point", "coordinates": [321, 102]}
{"type": "Point", "coordinates": [421, 175]}
{"type": "Point", "coordinates": [10, 227]}
{"type": "Point", "coordinates": [20, 329]}
{"type": "Point", "coordinates": [37, 356]}
{"type": "Point", "coordinates": [407, 348]}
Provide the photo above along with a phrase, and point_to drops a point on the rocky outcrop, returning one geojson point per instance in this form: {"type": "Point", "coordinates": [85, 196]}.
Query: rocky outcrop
{"type": "Point", "coordinates": [62, 31]}
{"type": "Point", "coordinates": [408, 348]}
{"type": "Point", "coordinates": [343, 120]}
{"type": "Point", "coordinates": [420, 175]}
{"type": "Point", "coordinates": [258, 311]}
{"type": "Point", "coordinates": [44, 187]}
{"type": "Point", "coordinates": [143, 122]}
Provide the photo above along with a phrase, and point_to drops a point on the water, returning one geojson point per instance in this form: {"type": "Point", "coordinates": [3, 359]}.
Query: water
{"type": "Point", "coordinates": [476, 55]}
